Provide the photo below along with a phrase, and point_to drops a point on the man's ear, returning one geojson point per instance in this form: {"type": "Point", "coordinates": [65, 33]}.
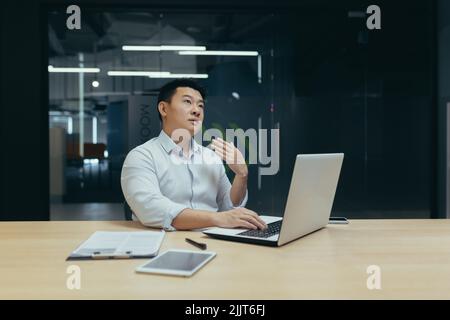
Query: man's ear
{"type": "Point", "coordinates": [162, 108]}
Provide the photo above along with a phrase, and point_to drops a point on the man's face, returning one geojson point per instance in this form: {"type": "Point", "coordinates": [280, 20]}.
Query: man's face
{"type": "Point", "coordinates": [185, 110]}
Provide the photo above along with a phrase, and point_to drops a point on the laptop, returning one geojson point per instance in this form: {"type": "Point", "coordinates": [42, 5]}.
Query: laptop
{"type": "Point", "coordinates": [308, 207]}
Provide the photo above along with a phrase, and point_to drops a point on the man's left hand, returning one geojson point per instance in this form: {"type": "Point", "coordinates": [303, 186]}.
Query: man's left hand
{"type": "Point", "coordinates": [231, 155]}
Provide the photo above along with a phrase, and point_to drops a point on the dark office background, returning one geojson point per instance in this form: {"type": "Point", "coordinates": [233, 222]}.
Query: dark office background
{"type": "Point", "coordinates": [333, 86]}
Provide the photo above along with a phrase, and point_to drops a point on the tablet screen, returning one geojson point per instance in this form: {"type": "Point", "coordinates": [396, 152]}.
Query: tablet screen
{"type": "Point", "coordinates": [178, 260]}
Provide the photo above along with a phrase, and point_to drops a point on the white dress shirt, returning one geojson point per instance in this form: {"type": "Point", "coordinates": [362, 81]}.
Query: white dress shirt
{"type": "Point", "coordinates": [159, 181]}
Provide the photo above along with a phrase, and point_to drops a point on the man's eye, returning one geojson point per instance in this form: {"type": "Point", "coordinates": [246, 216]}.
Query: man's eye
{"type": "Point", "coordinates": [201, 106]}
{"type": "Point", "coordinates": [189, 101]}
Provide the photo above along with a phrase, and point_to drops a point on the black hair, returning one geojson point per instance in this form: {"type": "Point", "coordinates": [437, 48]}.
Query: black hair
{"type": "Point", "coordinates": [168, 90]}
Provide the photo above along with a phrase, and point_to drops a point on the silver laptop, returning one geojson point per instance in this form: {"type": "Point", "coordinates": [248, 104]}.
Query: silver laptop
{"type": "Point", "coordinates": [308, 206]}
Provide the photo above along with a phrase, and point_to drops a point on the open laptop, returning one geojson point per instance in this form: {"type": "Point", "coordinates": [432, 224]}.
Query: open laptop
{"type": "Point", "coordinates": [308, 206]}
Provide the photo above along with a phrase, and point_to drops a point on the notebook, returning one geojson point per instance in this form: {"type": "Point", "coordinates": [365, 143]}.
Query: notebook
{"type": "Point", "coordinates": [119, 245]}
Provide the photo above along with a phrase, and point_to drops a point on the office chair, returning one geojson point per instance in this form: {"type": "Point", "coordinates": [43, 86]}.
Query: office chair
{"type": "Point", "coordinates": [127, 211]}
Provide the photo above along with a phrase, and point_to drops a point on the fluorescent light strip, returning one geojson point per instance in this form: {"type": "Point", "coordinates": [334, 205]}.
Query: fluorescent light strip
{"type": "Point", "coordinates": [259, 69]}
{"type": "Point", "coordinates": [178, 48]}
{"type": "Point", "coordinates": [162, 48]}
{"type": "Point", "coordinates": [157, 74]}
{"type": "Point", "coordinates": [73, 70]}
{"type": "Point", "coordinates": [182, 75]}
{"type": "Point", "coordinates": [137, 73]}
{"type": "Point", "coordinates": [81, 103]}
{"type": "Point", "coordinates": [69, 125]}
{"type": "Point", "coordinates": [94, 129]}
{"type": "Point", "coordinates": [219, 53]}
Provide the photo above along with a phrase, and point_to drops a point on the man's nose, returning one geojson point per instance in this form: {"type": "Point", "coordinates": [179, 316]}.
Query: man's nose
{"type": "Point", "coordinates": [196, 110]}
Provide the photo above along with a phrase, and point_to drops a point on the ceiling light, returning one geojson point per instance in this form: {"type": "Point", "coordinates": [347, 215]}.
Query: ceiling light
{"type": "Point", "coordinates": [181, 75]}
{"type": "Point", "coordinates": [73, 70]}
{"type": "Point", "coordinates": [162, 48]}
{"type": "Point", "coordinates": [137, 73]}
{"type": "Point", "coordinates": [219, 53]}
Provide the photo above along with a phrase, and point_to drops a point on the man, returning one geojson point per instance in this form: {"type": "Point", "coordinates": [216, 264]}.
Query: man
{"type": "Point", "coordinates": [166, 181]}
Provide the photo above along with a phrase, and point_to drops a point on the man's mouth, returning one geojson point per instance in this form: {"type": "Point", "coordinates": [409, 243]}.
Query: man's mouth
{"type": "Point", "coordinates": [194, 122]}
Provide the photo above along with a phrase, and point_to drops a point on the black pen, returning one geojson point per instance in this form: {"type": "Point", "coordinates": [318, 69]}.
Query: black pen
{"type": "Point", "coordinates": [197, 244]}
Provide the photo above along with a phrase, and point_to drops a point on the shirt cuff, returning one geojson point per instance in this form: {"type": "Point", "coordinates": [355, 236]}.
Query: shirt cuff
{"type": "Point", "coordinates": [172, 213]}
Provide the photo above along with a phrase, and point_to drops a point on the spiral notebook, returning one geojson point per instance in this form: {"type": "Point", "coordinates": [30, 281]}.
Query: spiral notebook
{"type": "Point", "coordinates": [119, 245]}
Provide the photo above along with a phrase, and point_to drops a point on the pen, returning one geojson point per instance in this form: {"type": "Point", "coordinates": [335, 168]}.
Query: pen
{"type": "Point", "coordinates": [197, 244]}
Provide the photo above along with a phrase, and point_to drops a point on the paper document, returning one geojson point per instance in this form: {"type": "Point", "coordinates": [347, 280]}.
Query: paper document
{"type": "Point", "coordinates": [119, 244]}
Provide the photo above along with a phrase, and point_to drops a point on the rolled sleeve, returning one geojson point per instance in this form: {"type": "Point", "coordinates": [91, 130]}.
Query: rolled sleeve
{"type": "Point", "coordinates": [171, 214]}
{"type": "Point", "coordinates": [141, 190]}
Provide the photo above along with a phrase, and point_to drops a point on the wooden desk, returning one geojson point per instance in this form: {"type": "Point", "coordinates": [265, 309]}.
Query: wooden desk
{"type": "Point", "coordinates": [414, 257]}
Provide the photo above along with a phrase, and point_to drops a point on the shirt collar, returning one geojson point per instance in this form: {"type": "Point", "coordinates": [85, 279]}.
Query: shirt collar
{"type": "Point", "coordinates": [168, 144]}
{"type": "Point", "coordinates": [195, 146]}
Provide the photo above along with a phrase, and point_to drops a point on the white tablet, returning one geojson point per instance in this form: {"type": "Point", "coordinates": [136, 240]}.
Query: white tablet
{"type": "Point", "coordinates": [177, 262]}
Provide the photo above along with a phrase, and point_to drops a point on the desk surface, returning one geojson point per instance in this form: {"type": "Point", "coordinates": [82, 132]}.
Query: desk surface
{"type": "Point", "coordinates": [414, 257]}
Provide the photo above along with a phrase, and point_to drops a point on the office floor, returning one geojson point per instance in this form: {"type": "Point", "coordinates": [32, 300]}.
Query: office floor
{"type": "Point", "coordinates": [86, 211]}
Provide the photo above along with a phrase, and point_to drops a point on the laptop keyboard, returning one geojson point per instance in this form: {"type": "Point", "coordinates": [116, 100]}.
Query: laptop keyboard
{"type": "Point", "coordinates": [272, 229]}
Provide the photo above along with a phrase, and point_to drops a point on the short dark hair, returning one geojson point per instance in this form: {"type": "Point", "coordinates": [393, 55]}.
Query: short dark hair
{"type": "Point", "coordinates": [168, 90]}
